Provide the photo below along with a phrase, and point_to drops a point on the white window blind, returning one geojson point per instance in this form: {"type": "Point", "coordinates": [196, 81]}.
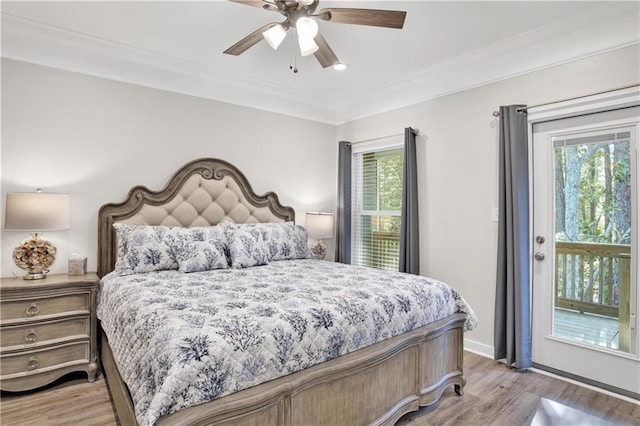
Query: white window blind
{"type": "Point", "coordinates": [376, 205]}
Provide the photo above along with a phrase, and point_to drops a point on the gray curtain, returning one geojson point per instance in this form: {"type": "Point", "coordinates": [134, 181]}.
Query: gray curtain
{"type": "Point", "coordinates": [343, 211]}
{"type": "Point", "coordinates": [409, 235]}
{"type": "Point", "coordinates": [512, 329]}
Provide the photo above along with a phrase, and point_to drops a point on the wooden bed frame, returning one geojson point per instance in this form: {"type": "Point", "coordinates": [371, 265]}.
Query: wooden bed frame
{"type": "Point", "coordinates": [374, 385]}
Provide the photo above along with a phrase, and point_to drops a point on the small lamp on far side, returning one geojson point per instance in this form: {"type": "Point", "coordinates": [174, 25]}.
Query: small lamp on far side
{"type": "Point", "coordinates": [319, 226]}
{"type": "Point", "coordinates": [36, 212]}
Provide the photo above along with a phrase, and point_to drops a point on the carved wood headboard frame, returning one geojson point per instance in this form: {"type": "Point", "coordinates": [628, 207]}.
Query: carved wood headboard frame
{"type": "Point", "coordinates": [202, 193]}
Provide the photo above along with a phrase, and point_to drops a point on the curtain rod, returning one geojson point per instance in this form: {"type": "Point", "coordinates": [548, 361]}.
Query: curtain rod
{"type": "Point", "coordinates": [415, 132]}
{"type": "Point", "coordinates": [497, 113]}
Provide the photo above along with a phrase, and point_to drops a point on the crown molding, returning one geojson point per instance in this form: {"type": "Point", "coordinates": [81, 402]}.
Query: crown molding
{"type": "Point", "coordinates": [41, 44]}
{"type": "Point", "coordinates": [611, 26]}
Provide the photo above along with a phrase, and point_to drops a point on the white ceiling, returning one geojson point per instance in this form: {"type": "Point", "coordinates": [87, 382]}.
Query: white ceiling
{"type": "Point", "coordinates": [444, 47]}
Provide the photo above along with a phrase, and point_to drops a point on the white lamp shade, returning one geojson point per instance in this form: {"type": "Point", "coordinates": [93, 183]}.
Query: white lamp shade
{"type": "Point", "coordinates": [275, 35]}
{"type": "Point", "coordinates": [307, 28]}
{"type": "Point", "coordinates": [307, 46]}
{"type": "Point", "coordinates": [36, 211]}
{"type": "Point", "coordinates": [319, 225]}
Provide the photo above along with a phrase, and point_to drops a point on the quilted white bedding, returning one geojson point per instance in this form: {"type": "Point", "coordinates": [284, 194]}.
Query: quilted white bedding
{"type": "Point", "coordinates": [184, 339]}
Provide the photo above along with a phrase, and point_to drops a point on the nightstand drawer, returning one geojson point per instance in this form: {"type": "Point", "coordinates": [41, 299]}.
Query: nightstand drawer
{"type": "Point", "coordinates": [30, 309]}
{"type": "Point", "coordinates": [44, 359]}
{"type": "Point", "coordinates": [40, 333]}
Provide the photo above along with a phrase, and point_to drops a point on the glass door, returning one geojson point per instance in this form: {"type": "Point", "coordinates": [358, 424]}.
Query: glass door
{"type": "Point", "coordinates": [585, 296]}
{"type": "Point", "coordinates": [593, 229]}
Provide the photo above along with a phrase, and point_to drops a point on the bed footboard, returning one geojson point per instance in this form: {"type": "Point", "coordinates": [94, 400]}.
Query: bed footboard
{"type": "Point", "coordinates": [375, 385]}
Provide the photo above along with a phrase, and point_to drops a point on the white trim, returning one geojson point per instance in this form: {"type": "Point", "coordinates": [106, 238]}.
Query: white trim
{"type": "Point", "coordinates": [616, 99]}
{"type": "Point", "coordinates": [381, 212]}
{"type": "Point", "coordinates": [378, 144]}
{"type": "Point", "coordinates": [574, 38]}
{"type": "Point", "coordinates": [478, 348]}
{"type": "Point", "coordinates": [584, 385]}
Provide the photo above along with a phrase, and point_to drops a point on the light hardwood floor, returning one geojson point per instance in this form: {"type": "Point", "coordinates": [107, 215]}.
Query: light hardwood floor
{"type": "Point", "coordinates": [494, 395]}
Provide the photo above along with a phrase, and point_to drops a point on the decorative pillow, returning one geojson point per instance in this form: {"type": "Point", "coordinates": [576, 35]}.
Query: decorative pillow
{"type": "Point", "coordinates": [287, 241]}
{"type": "Point", "coordinates": [247, 246]}
{"type": "Point", "coordinates": [199, 248]}
{"type": "Point", "coordinates": [143, 248]}
{"type": "Point", "coordinates": [284, 240]}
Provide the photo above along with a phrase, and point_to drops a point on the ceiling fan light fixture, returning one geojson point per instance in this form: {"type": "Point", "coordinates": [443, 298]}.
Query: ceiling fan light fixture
{"type": "Point", "coordinates": [307, 46]}
{"type": "Point", "coordinates": [275, 35]}
{"type": "Point", "coordinates": [307, 28]}
{"type": "Point", "coordinates": [302, 19]}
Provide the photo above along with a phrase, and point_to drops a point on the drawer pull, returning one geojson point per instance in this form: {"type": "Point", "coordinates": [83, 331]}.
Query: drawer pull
{"type": "Point", "coordinates": [32, 310]}
{"type": "Point", "coordinates": [31, 336]}
{"type": "Point", "coordinates": [32, 364]}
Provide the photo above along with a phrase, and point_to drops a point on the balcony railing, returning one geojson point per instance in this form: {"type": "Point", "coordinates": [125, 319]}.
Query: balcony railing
{"type": "Point", "coordinates": [595, 278]}
{"type": "Point", "coordinates": [385, 250]}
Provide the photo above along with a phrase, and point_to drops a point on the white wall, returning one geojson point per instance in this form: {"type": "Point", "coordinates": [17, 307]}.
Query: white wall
{"type": "Point", "coordinates": [95, 139]}
{"type": "Point", "coordinates": [457, 161]}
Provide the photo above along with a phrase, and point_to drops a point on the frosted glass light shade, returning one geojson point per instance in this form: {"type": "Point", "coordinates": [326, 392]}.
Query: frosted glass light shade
{"type": "Point", "coordinates": [307, 28]}
{"type": "Point", "coordinates": [307, 46]}
{"type": "Point", "coordinates": [36, 212]}
{"type": "Point", "coordinates": [275, 35]}
{"type": "Point", "coordinates": [319, 225]}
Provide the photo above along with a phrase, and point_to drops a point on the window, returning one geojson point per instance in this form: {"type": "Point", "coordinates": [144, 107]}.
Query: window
{"type": "Point", "coordinates": [376, 205]}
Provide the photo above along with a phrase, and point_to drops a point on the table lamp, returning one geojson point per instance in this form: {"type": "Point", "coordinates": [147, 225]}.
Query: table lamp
{"type": "Point", "coordinates": [36, 212]}
{"type": "Point", "coordinates": [319, 226]}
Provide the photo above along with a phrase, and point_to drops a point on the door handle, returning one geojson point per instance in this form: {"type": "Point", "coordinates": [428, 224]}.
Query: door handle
{"type": "Point", "coordinates": [539, 256]}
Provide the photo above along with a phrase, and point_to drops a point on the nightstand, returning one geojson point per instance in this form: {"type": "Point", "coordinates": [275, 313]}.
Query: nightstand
{"type": "Point", "coordinates": [47, 329]}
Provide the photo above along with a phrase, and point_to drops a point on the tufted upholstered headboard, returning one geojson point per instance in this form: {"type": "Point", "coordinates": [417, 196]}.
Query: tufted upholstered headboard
{"type": "Point", "coordinates": [203, 192]}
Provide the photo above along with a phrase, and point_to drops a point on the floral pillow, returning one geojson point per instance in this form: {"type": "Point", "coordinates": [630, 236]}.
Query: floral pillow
{"type": "Point", "coordinates": [247, 246]}
{"type": "Point", "coordinates": [287, 241]}
{"type": "Point", "coordinates": [283, 240]}
{"type": "Point", "coordinates": [199, 248]}
{"type": "Point", "coordinates": [142, 249]}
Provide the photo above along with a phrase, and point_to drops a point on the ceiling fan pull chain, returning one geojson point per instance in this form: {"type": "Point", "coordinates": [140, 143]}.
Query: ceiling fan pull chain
{"type": "Point", "coordinates": [291, 51]}
{"type": "Point", "coordinates": [293, 62]}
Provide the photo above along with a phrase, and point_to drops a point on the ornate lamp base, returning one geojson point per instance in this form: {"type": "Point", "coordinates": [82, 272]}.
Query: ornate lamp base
{"type": "Point", "coordinates": [35, 255]}
{"type": "Point", "coordinates": [319, 250]}
{"type": "Point", "coordinates": [35, 275]}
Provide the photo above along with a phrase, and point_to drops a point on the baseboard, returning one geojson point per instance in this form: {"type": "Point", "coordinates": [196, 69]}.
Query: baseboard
{"type": "Point", "coordinates": [478, 348]}
{"type": "Point", "coordinates": [587, 383]}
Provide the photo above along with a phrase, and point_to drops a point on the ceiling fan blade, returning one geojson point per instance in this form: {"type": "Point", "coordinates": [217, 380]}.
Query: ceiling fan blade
{"type": "Point", "coordinates": [262, 4]}
{"type": "Point", "coordinates": [249, 41]}
{"type": "Point", "coordinates": [372, 17]}
{"type": "Point", "coordinates": [324, 54]}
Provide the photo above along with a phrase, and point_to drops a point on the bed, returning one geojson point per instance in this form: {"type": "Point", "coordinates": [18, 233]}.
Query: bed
{"type": "Point", "coordinates": [303, 341]}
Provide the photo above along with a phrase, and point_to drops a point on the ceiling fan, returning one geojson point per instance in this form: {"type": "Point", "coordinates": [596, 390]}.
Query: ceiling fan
{"type": "Point", "coordinates": [300, 15]}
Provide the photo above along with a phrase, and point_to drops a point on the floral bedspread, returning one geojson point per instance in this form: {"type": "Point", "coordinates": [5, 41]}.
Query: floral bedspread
{"type": "Point", "coordinates": [184, 339]}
